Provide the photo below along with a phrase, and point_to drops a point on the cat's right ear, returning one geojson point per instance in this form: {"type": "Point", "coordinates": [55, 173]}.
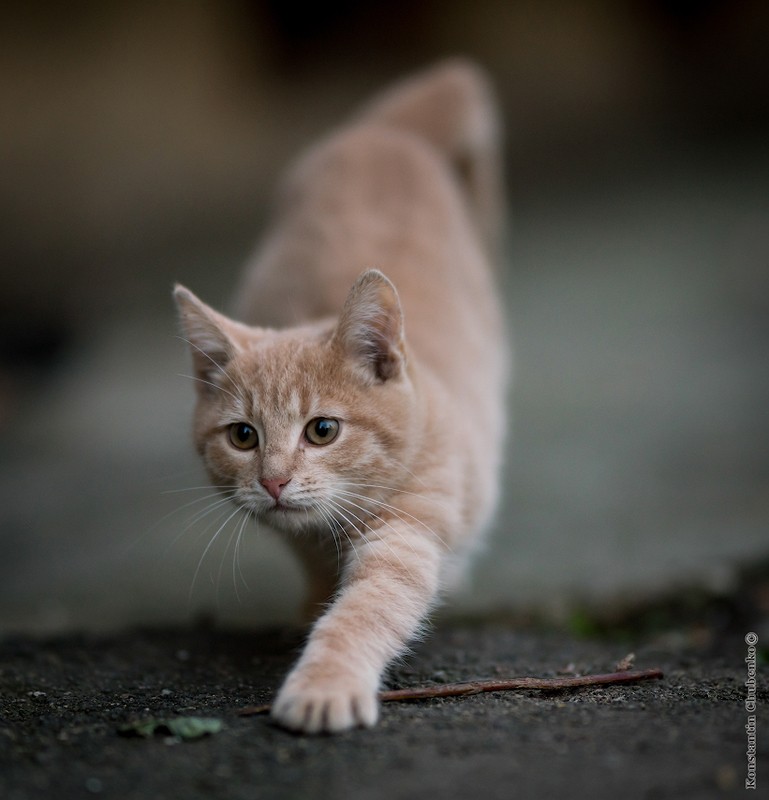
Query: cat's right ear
{"type": "Point", "coordinates": [206, 332]}
{"type": "Point", "coordinates": [370, 327]}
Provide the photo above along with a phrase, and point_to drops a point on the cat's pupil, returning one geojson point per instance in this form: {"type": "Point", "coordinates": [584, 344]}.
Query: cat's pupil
{"type": "Point", "coordinates": [323, 428]}
{"type": "Point", "coordinates": [244, 432]}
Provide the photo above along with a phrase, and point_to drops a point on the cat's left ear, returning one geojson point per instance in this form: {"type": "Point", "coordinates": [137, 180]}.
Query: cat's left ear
{"type": "Point", "coordinates": [370, 328]}
{"type": "Point", "coordinates": [209, 334]}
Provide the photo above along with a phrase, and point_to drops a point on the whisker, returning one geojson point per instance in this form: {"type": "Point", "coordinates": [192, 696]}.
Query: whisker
{"type": "Point", "coordinates": [400, 491]}
{"type": "Point", "coordinates": [406, 469]}
{"type": "Point", "coordinates": [226, 550]}
{"type": "Point", "coordinates": [399, 512]}
{"type": "Point", "coordinates": [236, 556]}
{"type": "Point", "coordinates": [203, 353]}
{"type": "Point", "coordinates": [335, 526]}
{"type": "Point", "coordinates": [153, 528]}
{"type": "Point", "coordinates": [220, 507]}
{"type": "Point", "coordinates": [398, 533]}
{"type": "Point", "coordinates": [196, 502]}
{"type": "Point", "coordinates": [208, 547]}
{"type": "Point", "coordinates": [210, 383]}
{"type": "Point", "coordinates": [199, 514]}
{"type": "Point", "coordinates": [242, 398]}
{"type": "Point", "coordinates": [140, 537]}
{"type": "Point", "coordinates": [178, 474]}
{"type": "Point", "coordinates": [334, 535]}
{"type": "Point", "coordinates": [341, 510]}
{"type": "Point", "coordinates": [199, 488]}
{"type": "Point", "coordinates": [222, 501]}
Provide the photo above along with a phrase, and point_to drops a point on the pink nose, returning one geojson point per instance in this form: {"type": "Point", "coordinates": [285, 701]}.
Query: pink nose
{"type": "Point", "coordinates": [274, 486]}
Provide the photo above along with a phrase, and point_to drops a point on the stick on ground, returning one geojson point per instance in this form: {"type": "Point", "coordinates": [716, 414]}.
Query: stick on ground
{"type": "Point", "coordinates": [509, 685]}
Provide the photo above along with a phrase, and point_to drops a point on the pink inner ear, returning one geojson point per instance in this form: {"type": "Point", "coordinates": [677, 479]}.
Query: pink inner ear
{"type": "Point", "coordinates": [371, 325]}
{"type": "Point", "coordinates": [385, 350]}
{"type": "Point", "coordinates": [205, 331]}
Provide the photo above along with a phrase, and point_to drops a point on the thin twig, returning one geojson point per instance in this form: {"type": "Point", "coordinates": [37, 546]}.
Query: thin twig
{"type": "Point", "coordinates": [509, 685]}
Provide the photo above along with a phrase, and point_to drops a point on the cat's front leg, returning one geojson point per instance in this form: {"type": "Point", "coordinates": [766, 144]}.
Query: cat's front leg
{"type": "Point", "coordinates": [391, 583]}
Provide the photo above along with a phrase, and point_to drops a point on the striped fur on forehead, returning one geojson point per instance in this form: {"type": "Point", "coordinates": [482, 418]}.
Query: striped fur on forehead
{"type": "Point", "coordinates": [283, 376]}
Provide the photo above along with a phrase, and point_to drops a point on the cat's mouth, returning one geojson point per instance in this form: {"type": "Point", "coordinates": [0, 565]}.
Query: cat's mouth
{"type": "Point", "coordinates": [284, 507]}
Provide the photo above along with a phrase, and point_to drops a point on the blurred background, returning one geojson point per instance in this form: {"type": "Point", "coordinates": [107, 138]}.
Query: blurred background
{"type": "Point", "coordinates": [140, 144]}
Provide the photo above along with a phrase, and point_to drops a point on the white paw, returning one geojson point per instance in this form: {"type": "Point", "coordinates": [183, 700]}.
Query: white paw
{"type": "Point", "coordinates": [313, 702]}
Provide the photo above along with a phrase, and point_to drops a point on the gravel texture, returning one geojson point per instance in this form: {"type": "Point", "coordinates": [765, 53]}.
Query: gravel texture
{"type": "Point", "coordinates": [64, 700]}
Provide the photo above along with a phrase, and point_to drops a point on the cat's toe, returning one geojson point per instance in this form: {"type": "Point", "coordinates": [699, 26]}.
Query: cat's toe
{"type": "Point", "coordinates": [325, 710]}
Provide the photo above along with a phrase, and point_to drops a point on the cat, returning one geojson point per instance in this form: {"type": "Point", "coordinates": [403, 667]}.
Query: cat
{"type": "Point", "coordinates": [361, 412]}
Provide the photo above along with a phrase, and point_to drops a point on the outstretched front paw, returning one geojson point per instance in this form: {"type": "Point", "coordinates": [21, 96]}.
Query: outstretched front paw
{"type": "Point", "coordinates": [312, 701]}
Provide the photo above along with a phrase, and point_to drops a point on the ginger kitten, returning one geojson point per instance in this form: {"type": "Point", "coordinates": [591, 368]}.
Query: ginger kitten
{"type": "Point", "coordinates": [361, 412]}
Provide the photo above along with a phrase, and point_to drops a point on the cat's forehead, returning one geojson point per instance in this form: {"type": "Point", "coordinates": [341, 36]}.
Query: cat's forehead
{"type": "Point", "coordinates": [286, 375]}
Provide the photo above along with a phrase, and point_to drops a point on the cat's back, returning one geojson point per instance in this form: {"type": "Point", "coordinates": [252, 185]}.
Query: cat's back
{"type": "Point", "coordinates": [401, 189]}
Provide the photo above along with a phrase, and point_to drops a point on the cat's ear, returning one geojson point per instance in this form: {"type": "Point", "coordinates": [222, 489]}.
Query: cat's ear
{"type": "Point", "coordinates": [370, 328]}
{"type": "Point", "coordinates": [209, 335]}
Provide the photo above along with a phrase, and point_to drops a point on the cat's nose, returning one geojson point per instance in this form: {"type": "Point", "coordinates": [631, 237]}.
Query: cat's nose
{"type": "Point", "coordinates": [274, 485]}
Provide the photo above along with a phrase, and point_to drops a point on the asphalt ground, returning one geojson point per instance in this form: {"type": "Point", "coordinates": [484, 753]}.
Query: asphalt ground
{"type": "Point", "coordinates": [64, 700]}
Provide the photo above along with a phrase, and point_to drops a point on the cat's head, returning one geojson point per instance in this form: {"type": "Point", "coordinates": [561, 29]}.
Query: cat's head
{"type": "Point", "coordinates": [310, 424]}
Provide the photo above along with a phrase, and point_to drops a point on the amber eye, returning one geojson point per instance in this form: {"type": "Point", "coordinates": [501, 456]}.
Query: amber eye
{"type": "Point", "coordinates": [243, 436]}
{"type": "Point", "coordinates": [322, 430]}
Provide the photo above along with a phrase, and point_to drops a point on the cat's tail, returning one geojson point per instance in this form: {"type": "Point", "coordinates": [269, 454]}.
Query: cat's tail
{"type": "Point", "coordinates": [452, 107]}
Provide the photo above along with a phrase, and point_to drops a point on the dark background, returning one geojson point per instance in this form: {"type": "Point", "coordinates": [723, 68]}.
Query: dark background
{"type": "Point", "coordinates": [140, 144]}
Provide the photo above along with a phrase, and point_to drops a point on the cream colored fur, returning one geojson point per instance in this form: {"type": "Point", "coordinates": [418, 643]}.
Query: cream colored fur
{"type": "Point", "coordinates": [412, 367]}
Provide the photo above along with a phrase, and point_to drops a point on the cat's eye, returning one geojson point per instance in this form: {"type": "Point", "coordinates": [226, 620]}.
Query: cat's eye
{"type": "Point", "coordinates": [243, 436]}
{"type": "Point", "coordinates": [322, 430]}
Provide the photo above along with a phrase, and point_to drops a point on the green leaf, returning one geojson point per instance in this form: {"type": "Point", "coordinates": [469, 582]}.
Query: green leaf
{"type": "Point", "coordinates": [193, 727]}
{"type": "Point", "coordinates": [182, 727]}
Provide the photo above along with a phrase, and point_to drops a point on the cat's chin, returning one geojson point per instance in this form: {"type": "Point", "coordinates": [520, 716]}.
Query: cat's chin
{"type": "Point", "coordinates": [283, 508]}
{"type": "Point", "coordinates": [284, 516]}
